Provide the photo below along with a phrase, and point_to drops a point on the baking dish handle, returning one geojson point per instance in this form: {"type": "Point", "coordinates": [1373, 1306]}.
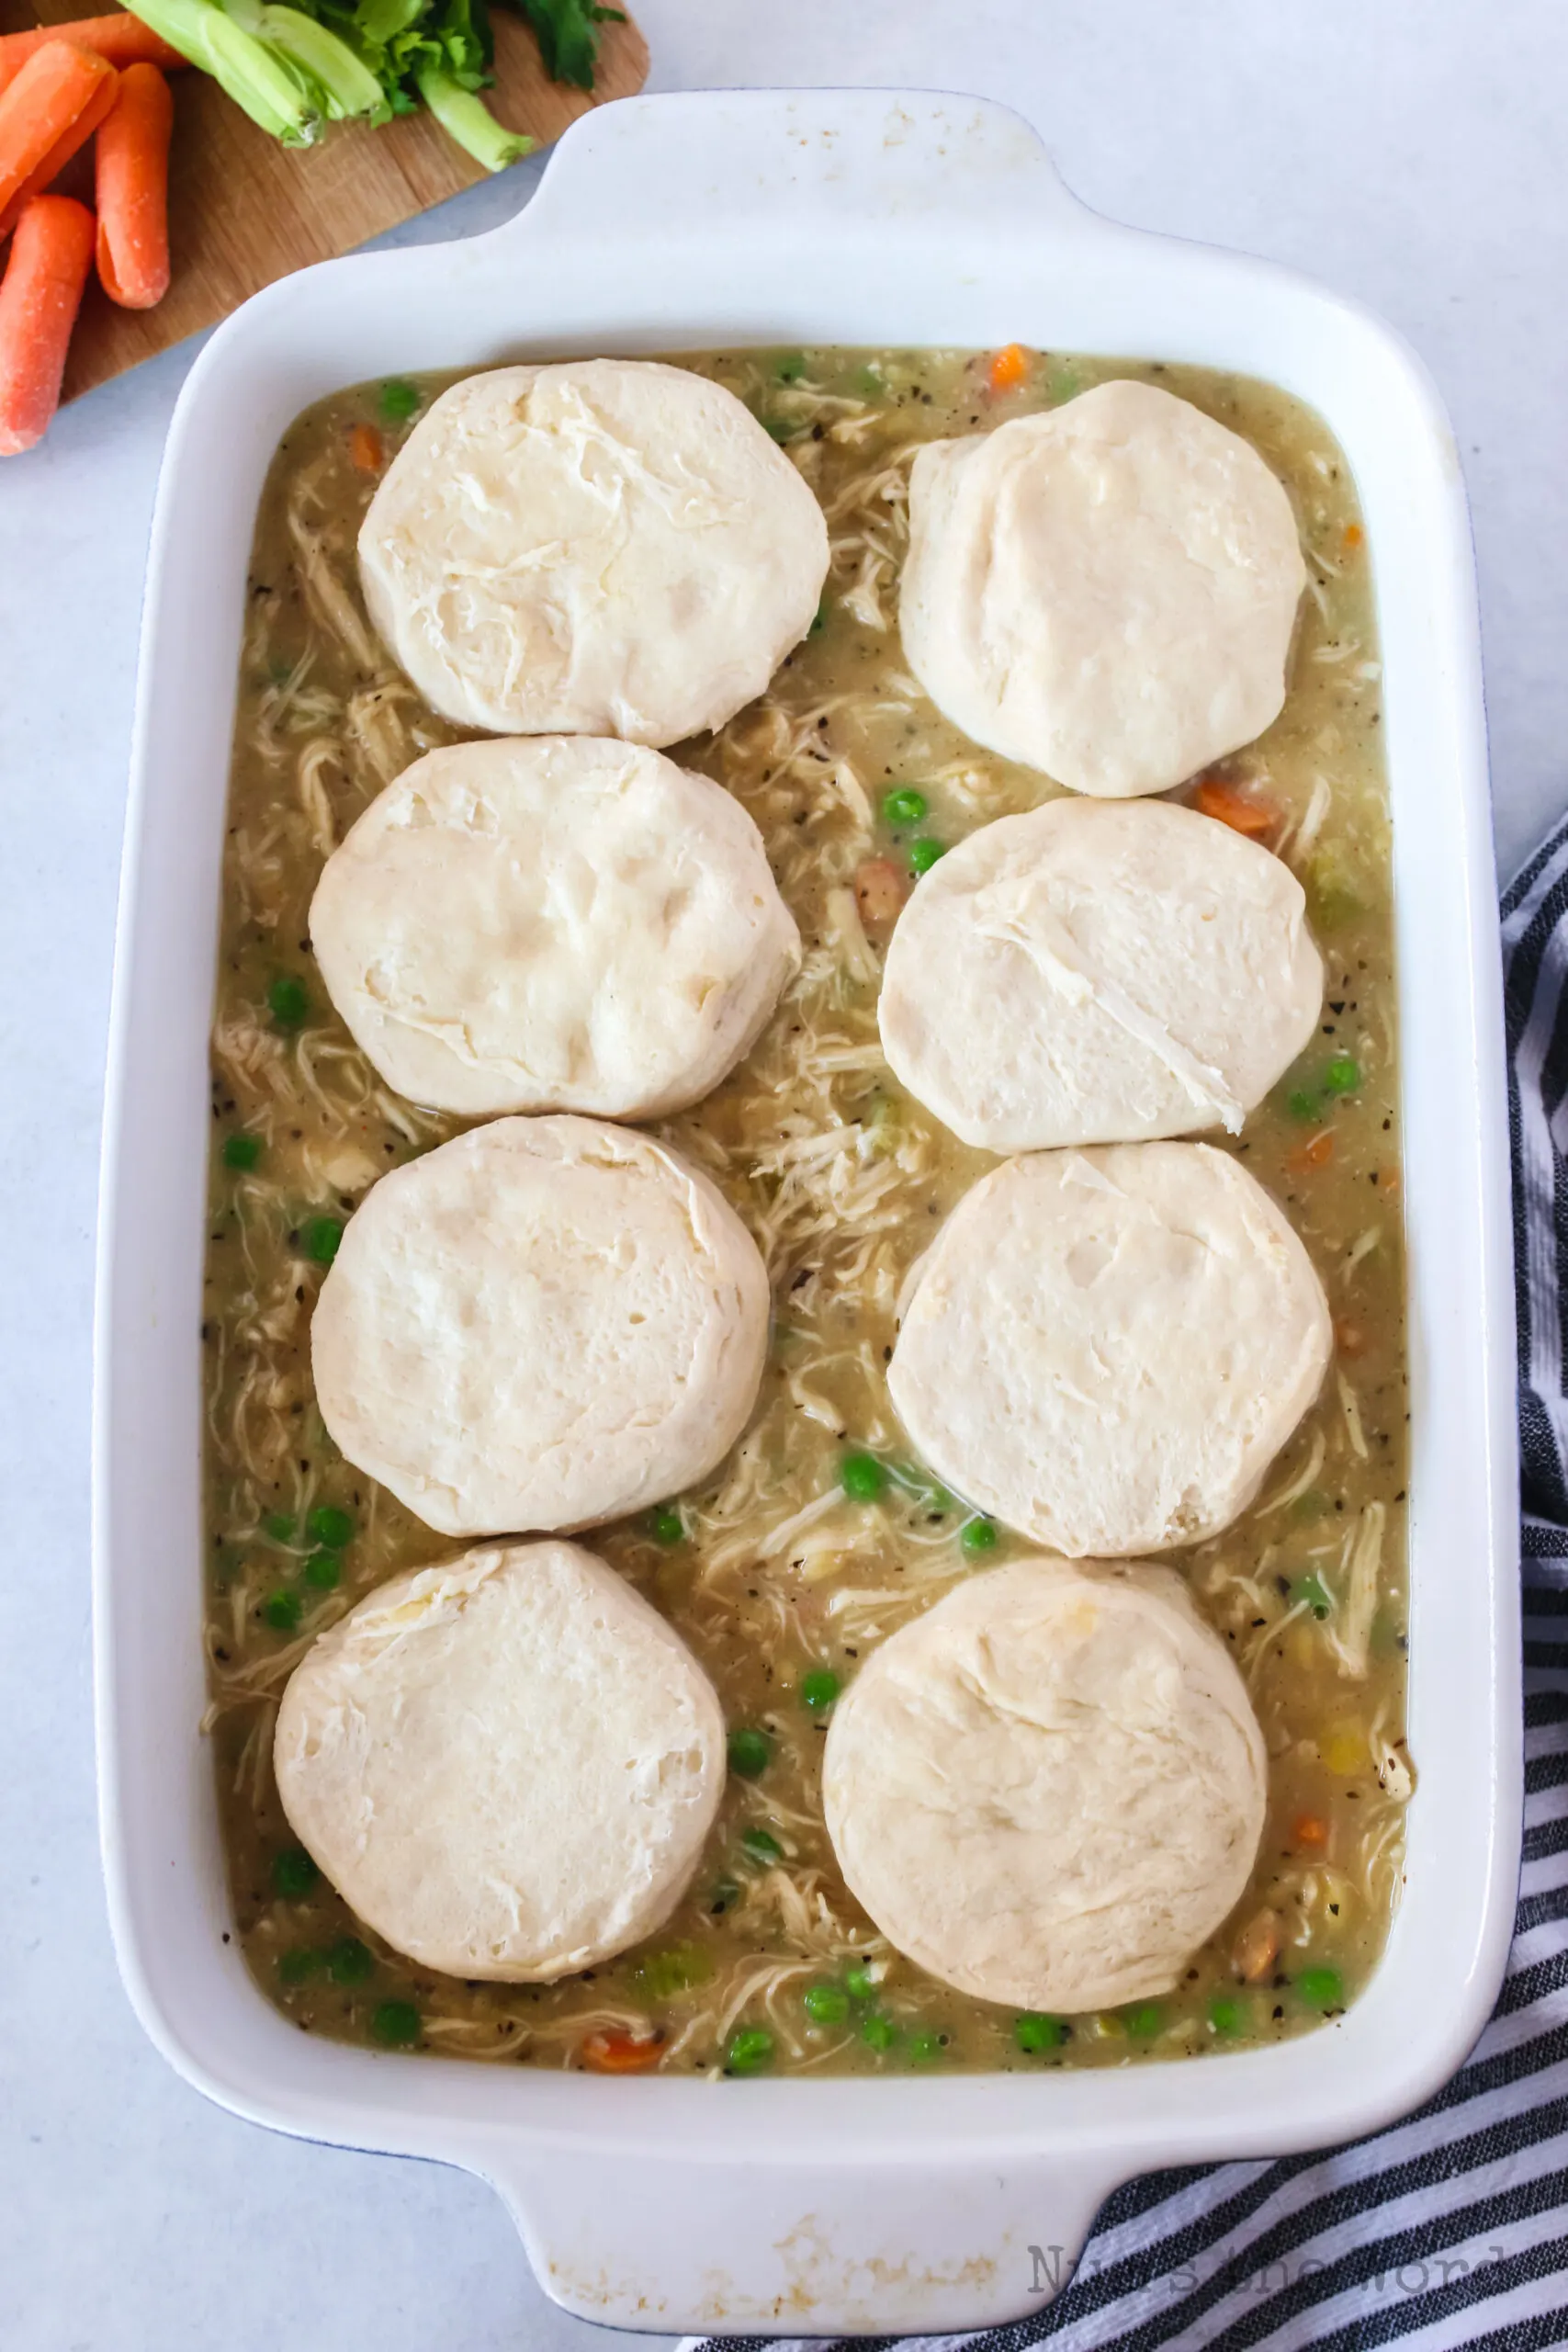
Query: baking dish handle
{"type": "Point", "coordinates": [649, 170]}
{"type": "Point", "coordinates": [682, 2242]}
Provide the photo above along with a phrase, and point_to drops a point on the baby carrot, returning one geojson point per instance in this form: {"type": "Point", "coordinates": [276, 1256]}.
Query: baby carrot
{"type": "Point", "coordinates": [119, 39]}
{"type": "Point", "coordinates": [58, 89]}
{"type": "Point", "coordinates": [40, 294]}
{"type": "Point", "coordinates": [60, 154]}
{"type": "Point", "coordinates": [133, 190]}
{"type": "Point", "coordinates": [1009, 369]}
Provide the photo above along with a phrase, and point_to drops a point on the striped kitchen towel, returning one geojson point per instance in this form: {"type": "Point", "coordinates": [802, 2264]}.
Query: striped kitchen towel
{"type": "Point", "coordinates": [1449, 2230]}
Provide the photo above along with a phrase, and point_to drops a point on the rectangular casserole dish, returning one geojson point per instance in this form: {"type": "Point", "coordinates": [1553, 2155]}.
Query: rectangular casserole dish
{"type": "Point", "coordinates": [864, 218]}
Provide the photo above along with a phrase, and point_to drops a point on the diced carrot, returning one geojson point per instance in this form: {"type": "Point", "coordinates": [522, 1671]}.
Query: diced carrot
{"type": "Point", "coordinates": [58, 91]}
{"type": "Point", "coordinates": [133, 190]}
{"type": "Point", "coordinates": [1010, 367]}
{"type": "Point", "coordinates": [881, 889]}
{"type": "Point", "coordinates": [1388, 1181]}
{"type": "Point", "coordinates": [1349, 1337]}
{"type": "Point", "coordinates": [1257, 1946]}
{"type": "Point", "coordinates": [1242, 811]}
{"type": "Point", "coordinates": [1316, 1154]}
{"type": "Point", "coordinates": [608, 2053]}
{"type": "Point", "coordinates": [365, 448]}
{"type": "Point", "coordinates": [119, 39]}
{"type": "Point", "coordinates": [1309, 1829]}
{"type": "Point", "coordinates": [1354, 534]}
{"type": "Point", "coordinates": [39, 296]}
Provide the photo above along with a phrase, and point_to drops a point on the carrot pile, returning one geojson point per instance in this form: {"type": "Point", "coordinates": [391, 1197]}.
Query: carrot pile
{"type": "Point", "coordinates": [59, 87]}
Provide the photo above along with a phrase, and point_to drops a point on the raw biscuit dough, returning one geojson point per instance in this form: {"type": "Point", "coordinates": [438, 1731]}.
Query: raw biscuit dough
{"type": "Point", "coordinates": [607, 547]}
{"type": "Point", "coordinates": [1105, 591]}
{"type": "Point", "coordinates": [1107, 1348]}
{"type": "Point", "coordinates": [556, 923]}
{"type": "Point", "coordinates": [506, 1765]}
{"type": "Point", "coordinates": [543, 1324]}
{"type": "Point", "coordinates": [1049, 1789]}
{"type": "Point", "coordinates": [1096, 972]}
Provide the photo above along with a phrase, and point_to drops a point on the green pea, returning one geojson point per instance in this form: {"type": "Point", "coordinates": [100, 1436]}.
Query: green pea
{"type": "Point", "coordinates": [288, 1001]}
{"type": "Point", "coordinates": [1343, 1075]}
{"type": "Point", "coordinates": [294, 1873]}
{"type": "Point", "coordinates": [778, 429]}
{"type": "Point", "coordinates": [395, 2024]}
{"type": "Point", "coordinates": [1321, 1989]}
{"type": "Point", "coordinates": [879, 2033]}
{"type": "Point", "coordinates": [826, 2004]}
{"type": "Point", "coordinates": [329, 1526]}
{"type": "Point", "coordinates": [819, 1689]}
{"type": "Point", "coordinates": [725, 1896]}
{"type": "Point", "coordinates": [324, 1571]}
{"type": "Point", "coordinates": [294, 1967]}
{"type": "Point", "coordinates": [863, 1478]}
{"type": "Point", "coordinates": [666, 1524]}
{"type": "Point", "coordinates": [675, 1970]}
{"type": "Point", "coordinates": [278, 1526]}
{"type": "Point", "coordinates": [818, 619]}
{"type": "Point", "coordinates": [1315, 1593]}
{"type": "Point", "coordinates": [790, 367]}
{"type": "Point", "coordinates": [905, 807]}
{"type": "Point", "coordinates": [282, 1612]}
{"type": "Point", "coordinates": [1226, 2013]}
{"type": "Point", "coordinates": [320, 1237]}
{"type": "Point", "coordinates": [1310, 1505]}
{"type": "Point", "coordinates": [399, 399]}
{"type": "Point", "coordinates": [1032, 2031]}
{"type": "Point", "coordinates": [750, 1752]}
{"type": "Point", "coordinates": [749, 2051]}
{"type": "Point", "coordinates": [349, 1961]}
{"type": "Point", "coordinates": [1144, 2021]}
{"type": "Point", "coordinates": [1300, 1104]}
{"type": "Point", "coordinates": [924, 852]}
{"type": "Point", "coordinates": [241, 1151]}
{"type": "Point", "coordinates": [761, 1844]}
{"type": "Point", "coordinates": [980, 1535]}
{"type": "Point", "coordinates": [861, 1984]}
{"type": "Point", "coordinates": [927, 2047]}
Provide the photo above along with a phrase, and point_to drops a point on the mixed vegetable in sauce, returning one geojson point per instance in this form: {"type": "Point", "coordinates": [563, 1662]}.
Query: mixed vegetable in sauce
{"type": "Point", "coordinates": [822, 1535]}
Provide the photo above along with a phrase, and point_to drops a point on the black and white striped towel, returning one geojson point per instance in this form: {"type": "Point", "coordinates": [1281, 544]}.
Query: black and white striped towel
{"type": "Point", "coordinates": [1450, 2230]}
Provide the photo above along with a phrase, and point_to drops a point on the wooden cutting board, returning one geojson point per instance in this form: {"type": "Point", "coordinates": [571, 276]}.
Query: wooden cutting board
{"type": "Point", "coordinates": [244, 211]}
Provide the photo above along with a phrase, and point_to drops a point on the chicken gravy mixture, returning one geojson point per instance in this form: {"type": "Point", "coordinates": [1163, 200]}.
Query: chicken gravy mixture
{"type": "Point", "coordinates": [822, 1535]}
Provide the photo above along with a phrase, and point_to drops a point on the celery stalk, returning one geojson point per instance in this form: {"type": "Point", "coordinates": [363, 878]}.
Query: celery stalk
{"type": "Point", "coordinates": [348, 84]}
{"type": "Point", "coordinates": [288, 73]}
{"type": "Point", "coordinates": [258, 81]}
{"type": "Point", "coordinates": [465, 117]}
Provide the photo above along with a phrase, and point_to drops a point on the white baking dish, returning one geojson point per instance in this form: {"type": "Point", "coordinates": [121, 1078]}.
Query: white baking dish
{"type": "Point", "coordinates": [672, 223]}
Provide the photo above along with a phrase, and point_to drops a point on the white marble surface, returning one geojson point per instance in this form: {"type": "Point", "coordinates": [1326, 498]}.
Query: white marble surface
{"type": "Point", "coordinates": [1411, 154]}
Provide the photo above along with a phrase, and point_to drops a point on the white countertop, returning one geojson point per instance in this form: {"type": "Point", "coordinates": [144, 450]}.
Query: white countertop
{"type": "Point", "coordinates": [1411, 154]}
